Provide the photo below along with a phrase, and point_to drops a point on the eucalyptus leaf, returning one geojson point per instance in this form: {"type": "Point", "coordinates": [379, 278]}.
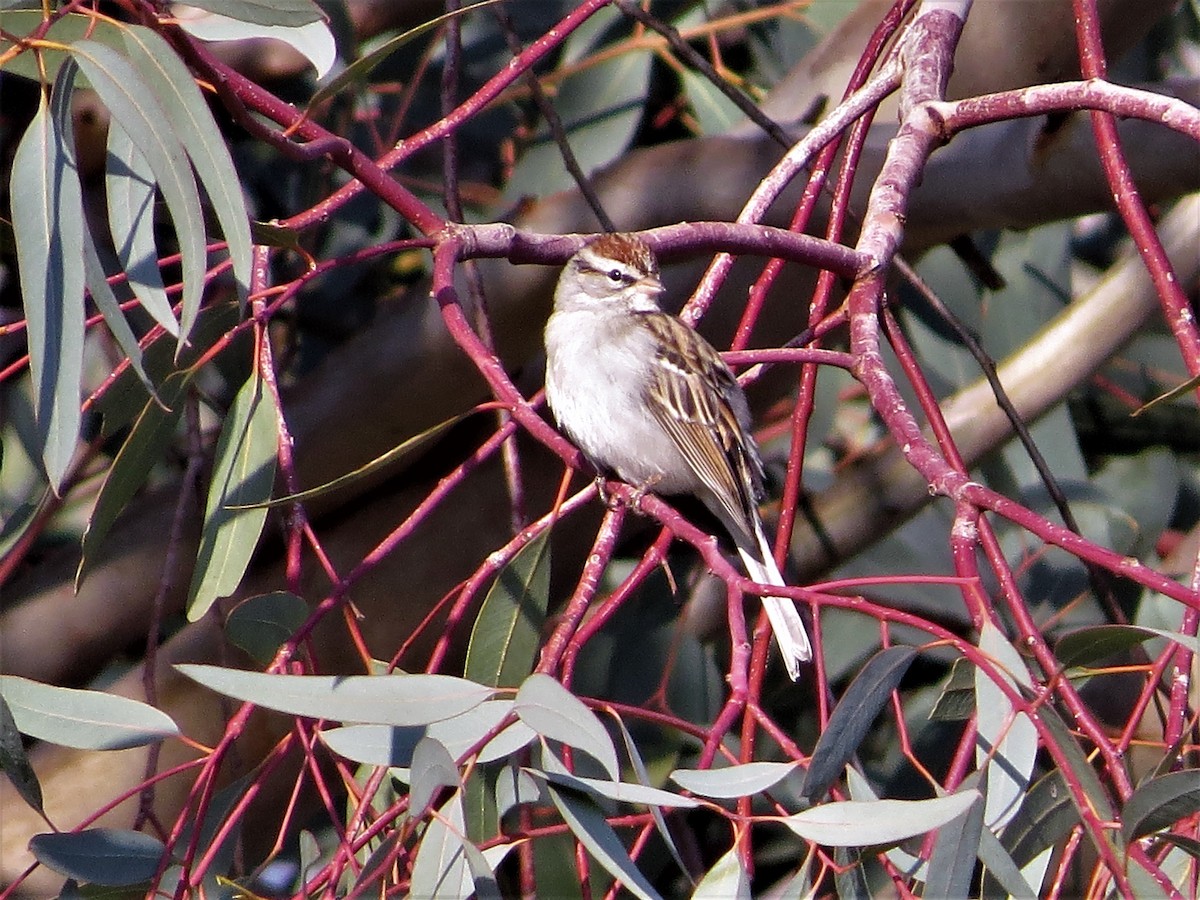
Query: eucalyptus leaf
{"type": "Point", "coordinates": [47, 215]}
{"type": "Point", "coordinates": [378, 699]}
{"type": "Point", "coordinates": [853, 823]}
{"type": "Point", "coordinates": [440, 869]}
{"type": "Point", "coordinates": [588, 824]}
{"type": "Point", "coordinates": [554, 712]}
{"type": "Point", "coordinates": [14, 762]}
{"type": "Point", "coordinates": [86, 720]}
{"type": "Point", "coordinates": [206, 146]}
{"type": "Point", "coordinates": [1007, 740]}
{"type": "Point", "coordinates": [1160, 803]}
{"type": "Point", "coordinates": [507, 631]}
{"type": "Point", "coordinates": [148, 440]}
{"type": "Point", "coordinates": [243, 475]}
{"type": "Point", "coordinates": [853, 716]}
{"type": "Point", "coordinates": [732, 782]}
{"type": "Point", "coordinates": [727, 879]}
{"type": "Point", "coordinates": [261, 624]}
{"type": "Point", "coordinates": [265, 12]}
{"type": "Point", "coordinates": [140, 114]}
{"type": "Point", "coordinates": [432, 769]}
{"type": "Point", "coordinates": [313, 40]}
{"type": "Point", "coordinates": [129, 190]}
{"type": "Point", "coordinates": [106, 856]}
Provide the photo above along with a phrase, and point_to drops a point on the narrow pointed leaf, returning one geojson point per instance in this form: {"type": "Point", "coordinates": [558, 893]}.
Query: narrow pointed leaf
{"type": "Point", "coordinates": [643, 777]}
{"type": "Point", "coordinates": [952, 863]}
{"type": "Point", "coordinates": [554, 770]}
{"type": "Point", "coordinates": [14, 762]}
{"type": "Point", "coordinates": [852, 823]}
{"type": "Point", "coordinates": [554, 712]}
{"type": "Point", "coordinates": [1043, 820]}
{"type": "Point", "coordinates": [169, 79]}
{"type": "Point", "coordinates": [106, 301]}
{"type": "Point", "coordinates": [86, 720]}
{"type": "Point", "coordinates": [432, 769]}
{"type": "Point", "coordinates": [1002, 872]}
{"type": "Point", "coordinates": [440, 869]}
{"type": "Point", "coordinates": [379, 699]}
{"type": "Point", "coordinates": [137, 111]}
{"type": "Point", "coordinates": [507, 632]}
{"type": "Point", "coordinates": [361, 68]}
{"type": "Point", "coordinates": [956, 703]}
{"type": "Point", "coordinates": [588, 824]}
{"type": "Point", "coordinates": [67, 29]}
{"type": "Point", "coordinates": [1160, 803]}
{"type": "Point", "coordinates": [1007, 740]}
{"type": "Point", "coordinates": [265, 12]}
{"type": "Point", "coordinates": [148, 440]}
{"type": "Point", "coordinates": [731, 782]}
{"type": "Point", "coordinates": [130, 191]}
{"type": "Point", "coordinates": [107, 856]}
{"type": "Point", "coordinates": [853, 716]}
{"type": "Point", "coordinates": [47, 213]}
{"type": "Point", "coordinates": [726, 880]}
{"type": "Point", "coordinates": [312, 40]}
{"type": "Point", "coordinates": [243, 473]}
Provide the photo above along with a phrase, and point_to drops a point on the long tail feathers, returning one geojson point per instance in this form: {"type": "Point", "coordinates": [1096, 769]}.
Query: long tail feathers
{"type": "Point", "coordinates": [786, 623]}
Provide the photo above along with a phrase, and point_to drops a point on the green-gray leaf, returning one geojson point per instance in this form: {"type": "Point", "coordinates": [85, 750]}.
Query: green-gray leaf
{"type": "Point", "coordinates": [142, 117]}
{"type": "Point", "coordinates": [554, 712]}
{"type": "Point", "coordinates": [171, 82]}
{"type": "Point", "coordinates": [86, 720]}
{"type": "Point", "coordinates": [852, 823]}
{"type": "Point", "coordinates": [47, 213]}
{"type": "Point", "coordinates": [379, 699]}
{"type": "Point", "coordinates": [106, 856]}
{"type": "Point", "coordinates": [507, 632]}
{"type": "Point", "coordinates": [243, 474]}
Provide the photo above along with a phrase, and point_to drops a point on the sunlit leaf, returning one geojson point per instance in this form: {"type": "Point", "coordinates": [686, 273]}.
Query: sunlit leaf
{"type": "Point", "coordinates": [432, 769]}
{"type": "Point", "coordinates": [440, 869]}
{"type": "Point", "coordinates": [139, 113]}
{"type": "Point", "coordinates": [265, 12]}
{"type": "Point", "coordinates": [554, 712]}
{"type": "Point", "coordinates": [727, 879]}
{"type": "Point", "coordinates": [312, 40]}
{"type": "Point", "coordinates": [243, 473]}
{"type": "Point", "coordinates": [731, 782]}
{"type": "Point", "coordinates": [129, 189]}
{"type": "Point", "coordinates": [169, 79]}
{"type": "Point", "coordinates": [508, 629]}
{"type": "Point", "coordinates": [47, 213]}
{"type": "Point", "coordinates": [852, 823]}
{"type": "Point", "coordinates": [379, 699]}
{"type": "Point", "coordinates": [588, 824]}
{"type": "Point", "coordinates": [86, 720]}
{"type": "Point", "coordinates": [1007, 741]}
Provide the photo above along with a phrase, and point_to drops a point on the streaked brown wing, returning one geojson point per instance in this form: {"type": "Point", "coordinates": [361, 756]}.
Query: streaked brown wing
{"type": "Point", "coordinates": [701, 423]}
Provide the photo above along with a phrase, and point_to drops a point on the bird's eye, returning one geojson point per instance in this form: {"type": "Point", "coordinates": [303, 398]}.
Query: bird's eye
{"type": "Point", "coordinates": [616, 276]}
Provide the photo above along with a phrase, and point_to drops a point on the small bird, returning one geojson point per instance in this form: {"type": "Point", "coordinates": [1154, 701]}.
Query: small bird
{"type": "Point", "coordinates": [646, 397]}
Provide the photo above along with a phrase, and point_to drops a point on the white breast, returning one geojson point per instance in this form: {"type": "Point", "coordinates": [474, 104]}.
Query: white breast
{"type": "Point", "coordinates": [596, 371]}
